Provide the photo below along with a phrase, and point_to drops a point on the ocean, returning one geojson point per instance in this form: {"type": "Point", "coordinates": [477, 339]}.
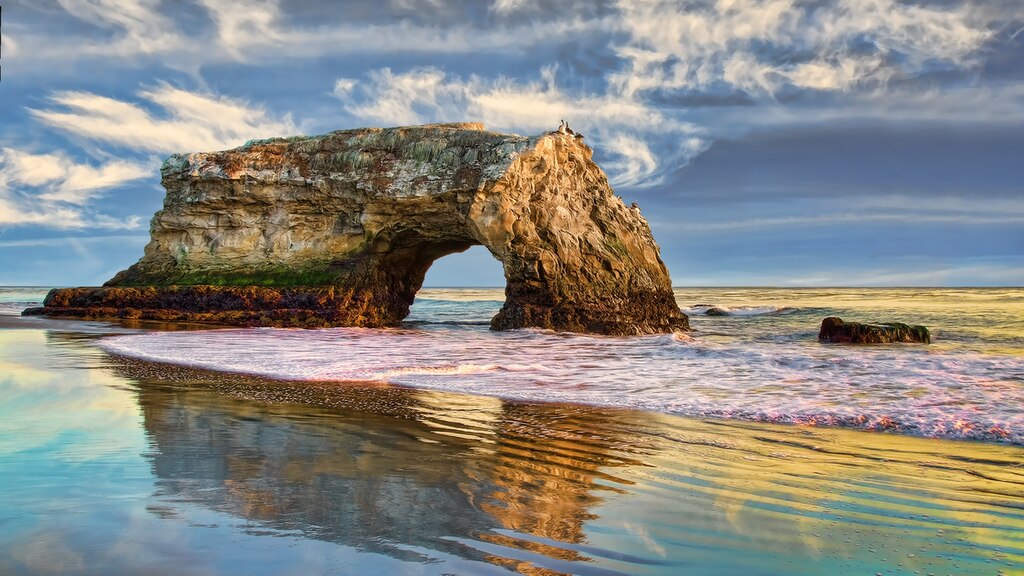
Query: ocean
{"type": "Point", "coordinates": [760, 362]}
{"type": "Point", "coordinates": [440, 447]}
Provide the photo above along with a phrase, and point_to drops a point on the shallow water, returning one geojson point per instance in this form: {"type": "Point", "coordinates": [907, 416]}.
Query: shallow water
{"type": "Point", "coordinates": [762, 362]}
{"type": "Point", "coordinates": [117, 466]}
{"type": "Point", "coordinates": [113, 465]}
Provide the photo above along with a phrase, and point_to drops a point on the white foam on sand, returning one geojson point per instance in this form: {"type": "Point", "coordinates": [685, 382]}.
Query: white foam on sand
{"type": "Point", "coordinates": [910, 389]}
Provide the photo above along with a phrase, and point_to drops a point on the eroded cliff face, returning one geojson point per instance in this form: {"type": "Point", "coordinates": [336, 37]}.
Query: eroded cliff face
{"type": "Point", "coordinates": [340, 229]}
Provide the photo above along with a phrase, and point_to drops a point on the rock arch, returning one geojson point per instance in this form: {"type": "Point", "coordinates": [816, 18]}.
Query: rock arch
{"type": "Point", "coordinates": [340, 229]}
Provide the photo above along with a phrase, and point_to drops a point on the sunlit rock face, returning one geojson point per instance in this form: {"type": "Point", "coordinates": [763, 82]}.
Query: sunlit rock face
{"type": "Point", "coordinates": [340, 229]}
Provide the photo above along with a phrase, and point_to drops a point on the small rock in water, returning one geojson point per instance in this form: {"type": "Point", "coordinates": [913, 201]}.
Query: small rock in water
{"type": "Point", "coordinates": [836, 330]}
{"type": "Point", "coordinates": [715, 311]}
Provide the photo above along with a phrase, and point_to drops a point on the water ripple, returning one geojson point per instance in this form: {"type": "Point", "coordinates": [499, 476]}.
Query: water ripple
{"type": "Point", "coordinates": [916, 390]}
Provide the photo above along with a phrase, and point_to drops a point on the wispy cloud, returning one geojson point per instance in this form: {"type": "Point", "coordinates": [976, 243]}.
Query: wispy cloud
{"type": "Point", "coordinates": [245, 25]}
{"type": "Point", "coordinates": [763, 46]}
{"type": "Point", "coordinates": [907, 272]}
{"type": "Point", "coordinates": [993, 104]}
{"type": "Point", "coordinates": [510, 6]}
{"type": "Point", "coordinates": [797, 62]}
{"type": "Point", "coordinates": [138, 27]}
{"type": "Point", "coordinates": [72, 240]}
{"type": "Point", "coordinates": [908, 218]}
{"type": "Point", "coordinates": [189, 120]}
{"type": "Point", "coordinates": [54, 191]}
{"type": "Point", "coordinates": [861, 54]}
{"type": "Point", "coordinates": [261, 30]}
{"type": "Point", "coordinates": [911, 274]}
{"type": "Point", "coordinates": [60, 179]}
{"type": "Point", "coordinates": [624, 127]}
{"type": "Point", "coordinates": [18, 211]}
{"type": "Point", "coordinates": [766, 50]}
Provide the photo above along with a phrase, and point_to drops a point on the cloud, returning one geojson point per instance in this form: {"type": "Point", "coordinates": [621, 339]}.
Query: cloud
{"type": "Point", "coordinates": [63, 179]}
{"type": "Point", "coordinates": [342, 86]}
{"type": "Point", "coordinates": [441, 38]}
{"type": "Point", "coordinates": [138, 25]}
{"type": "Point", "coordinates": [16, 211]}
{"type": "Point", "coordinates": [961, 205]}
{"type": "Point", "coordinates": [767, 50]}
{"type": "Point", "coordinates": [764, 46]}
{"type": "Point", "coordinates": [910, 272]}
{"type": "Point", "coordinates": [920, 274]}
{"type": "Point", "coordinates": [848, 218]}
{"type": "Point", "coordinates": [69, 240]}
{"type": "Point", "coordinates": [13, 214]}
{"type": "Point", "coordinates": [864, 56]}
{"type": "Point", "coordinates": [837, 74]}
{"type": "Point", "coordinates": [190, 121]}
{"type": "Point", "coordinates": [411, 98]}
{"type": "Point", "coordinates": [625, 128]}
{"type": "Point", "coordinates": [53, 190]}
{"type": "Point", "coordinates": [508, 6]}
{"type": "Point", "coordinates": [996, 103]}
{"type": "Point", "coordinates": [262, 30]}
{"type": "Point", "coordinates": [243, 25]}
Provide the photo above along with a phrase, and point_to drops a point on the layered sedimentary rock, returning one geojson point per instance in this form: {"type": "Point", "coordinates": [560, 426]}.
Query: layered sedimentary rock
{"type": "Point", "coordinates": [340, 229]}
{"type": "Point", "coordinates": [835, 330]}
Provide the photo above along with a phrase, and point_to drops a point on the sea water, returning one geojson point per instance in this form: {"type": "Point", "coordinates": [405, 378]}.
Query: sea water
{"type": "Point", "coordinates": [113, 464]}
{"type": "Point", "coordinates": [762, 361]}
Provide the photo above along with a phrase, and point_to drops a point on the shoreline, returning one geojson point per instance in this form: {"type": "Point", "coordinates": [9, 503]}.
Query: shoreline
{"type": "Point", "coordinates": [287, 395]}
{"type": "Point", "coordinates": [261, 473]}
{"type": "Point", "coordinates": [102, 328]}
{"type": "Point", "coordinates": [297, 391]}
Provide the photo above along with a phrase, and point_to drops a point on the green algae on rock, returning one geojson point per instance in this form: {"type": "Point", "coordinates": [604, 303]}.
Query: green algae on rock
{"type": "Point", "coordinates": [836, 330]}
{"type": "Point", "coordinates": [340, 229]}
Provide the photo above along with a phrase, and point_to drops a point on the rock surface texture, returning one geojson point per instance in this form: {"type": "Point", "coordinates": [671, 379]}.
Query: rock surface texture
{"type": "Point", "coordinates": [835, 330]}
{"type": "Point", "coordinates": [340, 229]}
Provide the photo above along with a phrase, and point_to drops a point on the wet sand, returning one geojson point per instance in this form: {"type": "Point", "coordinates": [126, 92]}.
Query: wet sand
{"type": "Point", "coordinates": [116, 466]}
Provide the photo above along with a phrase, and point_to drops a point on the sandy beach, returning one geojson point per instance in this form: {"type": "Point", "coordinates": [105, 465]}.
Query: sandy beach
{"type": "Point", "coordinates": [118, 466]}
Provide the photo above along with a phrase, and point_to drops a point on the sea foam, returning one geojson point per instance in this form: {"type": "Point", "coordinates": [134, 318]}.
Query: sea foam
{"type": "Point", "coordinates": [909, 389]}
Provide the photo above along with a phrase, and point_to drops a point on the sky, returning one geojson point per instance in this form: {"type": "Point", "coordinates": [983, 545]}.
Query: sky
{"type": "Point", "coordinates": [768, 142]}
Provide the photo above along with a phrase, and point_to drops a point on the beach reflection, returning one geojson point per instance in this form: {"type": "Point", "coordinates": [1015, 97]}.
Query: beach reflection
{"type": "Point", "coordinates": [113, 466]}
{"type": "Point", "coordinates": [406, 473]}
{"type": "Point", "coordinates": [425, 477]}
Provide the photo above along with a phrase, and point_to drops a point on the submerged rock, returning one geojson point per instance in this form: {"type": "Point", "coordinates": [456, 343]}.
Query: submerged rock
{"type": "Point", "coordinates": [835, 330]}
{"type": "Point", "coordinates": [716, 311]}
{"type": "Point", "coordinates": [340, 230]}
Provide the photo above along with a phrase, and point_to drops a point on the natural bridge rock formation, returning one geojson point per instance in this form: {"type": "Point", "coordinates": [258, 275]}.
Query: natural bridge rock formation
{"type": "Point", "coordinates": [340, 230]}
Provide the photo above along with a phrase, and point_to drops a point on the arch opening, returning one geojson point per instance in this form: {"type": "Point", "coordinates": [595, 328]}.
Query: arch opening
{"type": "Point", "coordinates": [464, 287]}
{"type": "Point", "coordinates": [474, 267]}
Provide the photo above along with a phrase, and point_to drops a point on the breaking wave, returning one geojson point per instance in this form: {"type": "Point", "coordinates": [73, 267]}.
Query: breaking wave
{"type": "Point", "coordinates": [716, 310]}
{"type": "Point", "coordinates": [909, 389]}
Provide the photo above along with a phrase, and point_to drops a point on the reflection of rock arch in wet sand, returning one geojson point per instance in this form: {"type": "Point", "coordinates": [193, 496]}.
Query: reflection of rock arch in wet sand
{"type": "Point", "coordinates": [340, 229]}
{"type": "Point", "coordinates": [408, 477]}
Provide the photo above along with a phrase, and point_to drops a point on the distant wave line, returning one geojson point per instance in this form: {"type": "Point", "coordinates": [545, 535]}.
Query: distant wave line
{"type": "Point", "coordinates": [846, 218]}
